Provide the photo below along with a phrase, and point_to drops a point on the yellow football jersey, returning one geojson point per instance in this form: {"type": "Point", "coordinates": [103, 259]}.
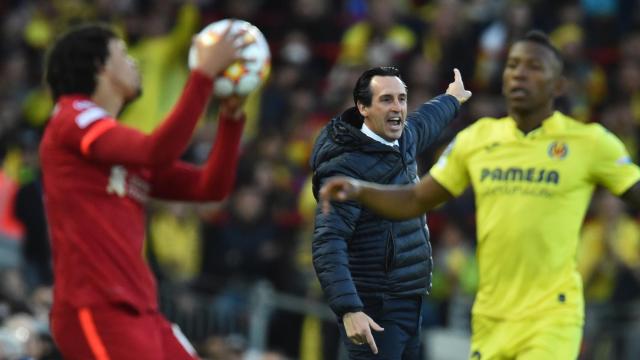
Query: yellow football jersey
{"type": "Point", "coordinates": [531, 193]}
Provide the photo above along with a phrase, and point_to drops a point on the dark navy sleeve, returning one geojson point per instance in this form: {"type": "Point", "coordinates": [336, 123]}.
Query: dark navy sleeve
{"type": "Point", "coordinates": [431, 118]}
{"type": "Point", "coordinates": [330, 255]}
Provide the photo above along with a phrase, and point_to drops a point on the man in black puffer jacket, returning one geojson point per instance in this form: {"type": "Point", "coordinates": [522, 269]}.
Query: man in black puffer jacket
{"type": "Point", "coordinates": [375, 272]}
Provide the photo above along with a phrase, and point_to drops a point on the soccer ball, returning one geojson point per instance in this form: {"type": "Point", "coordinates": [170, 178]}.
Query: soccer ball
{"type": "Point", "coordinates": [241, 77]}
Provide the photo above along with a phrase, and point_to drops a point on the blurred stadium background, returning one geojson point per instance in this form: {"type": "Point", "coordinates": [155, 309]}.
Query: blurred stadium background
{"type": "Point", "coordinates": [237, 275]}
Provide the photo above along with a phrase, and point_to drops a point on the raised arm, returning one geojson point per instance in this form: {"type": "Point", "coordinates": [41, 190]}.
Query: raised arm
{"type": "Point", "coordinates": [215, 180]}
{"type": "Point", "coordinates": [389, 201]}
{"type": "Point", "coordinates": [120, 144]}
{"type": "Point", "coordinates": [111, 142]}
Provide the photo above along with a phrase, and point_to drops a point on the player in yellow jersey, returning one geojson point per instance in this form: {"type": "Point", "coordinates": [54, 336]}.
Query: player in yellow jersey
{"type": "Point", "coordinates": [533, 174]}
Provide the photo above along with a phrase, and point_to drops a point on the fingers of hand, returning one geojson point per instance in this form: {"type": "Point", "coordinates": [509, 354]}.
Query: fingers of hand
{"type": "Point", "coordinates": [360, 337]}
{"type": "Point", "coordinates": [456, 75]}
{"type": "Point", "coordinates": [334, 189]}
{"type": "Point", "coordinates": [203, 40]}
{"type": "Point", "coordinates": [227, 30]}
{"type": "Point", "coordinates": [325, 192]}
{"type": "Point", "coordinates": [238, 41]}
{"type": "Point", "coordinates": [243, 39]}
{"type": "Point", "coordinates": [232, 106]}
{"type": "Point", "coordinates": [374, 325]}
{"type": "Point", "coordinates": [364, 336]}
{"type": "Point", "coordinates": [330, 190]}
{"type": "Point", "coordinates": [231, 41]}
{"type": "Point", "coordinates": [341, 194]}
{"type": "Point", "coordinates": [232, 101]}
{"type": "Point", "coordinates": [372, 342]}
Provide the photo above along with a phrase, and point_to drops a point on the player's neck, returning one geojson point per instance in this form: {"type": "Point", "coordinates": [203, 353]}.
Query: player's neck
{"type": "Point", "coordinates": [528, 121]}
{"type": "Point", "coordinates": [107, 99]}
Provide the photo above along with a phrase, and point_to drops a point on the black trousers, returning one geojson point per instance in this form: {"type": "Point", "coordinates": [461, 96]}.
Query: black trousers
{"type": "Point", "coordinates": [401, 319]}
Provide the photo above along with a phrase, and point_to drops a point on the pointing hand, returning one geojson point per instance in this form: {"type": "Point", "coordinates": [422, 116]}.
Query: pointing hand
{"type": "Point", "coordinates": [456, 88]}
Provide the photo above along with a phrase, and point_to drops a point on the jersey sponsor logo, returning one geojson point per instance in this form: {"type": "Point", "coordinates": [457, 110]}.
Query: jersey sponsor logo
{"type": "Point", "coordinates": [121, 185]}
{"type": "Point", "coordinates": [624, 160]}
{"type": "Point", "coordinates": [117, 181]}
{"type": "Point", "coordinates": [81, 105]}
{"type": "Point", "coordinates": [90, 116]}
{"type": "Point", "coordinates": [518, 174]}
{"type": "Point", "coordinates": [476, 355]}
{"type": "Point", "coordinates": [558, 150]}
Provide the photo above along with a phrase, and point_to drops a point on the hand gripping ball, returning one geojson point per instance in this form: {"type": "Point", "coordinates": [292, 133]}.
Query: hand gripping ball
{"type": "Point", "coordinates": [241, 77]}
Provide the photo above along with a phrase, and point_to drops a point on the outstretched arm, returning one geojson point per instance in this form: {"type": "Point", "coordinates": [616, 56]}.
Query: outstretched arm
{"type": "Point", "coordinates": [110, 142]}
{"type": "Point", "coordinates": [393, 202]}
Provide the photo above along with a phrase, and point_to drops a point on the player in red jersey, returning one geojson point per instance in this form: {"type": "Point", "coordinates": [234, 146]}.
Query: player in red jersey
{"type": "Point", "coordinates": [98, 175]}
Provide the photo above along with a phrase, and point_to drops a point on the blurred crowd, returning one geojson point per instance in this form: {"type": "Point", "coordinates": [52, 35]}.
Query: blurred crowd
{"type": "Point", "coordinates": [215, 253]}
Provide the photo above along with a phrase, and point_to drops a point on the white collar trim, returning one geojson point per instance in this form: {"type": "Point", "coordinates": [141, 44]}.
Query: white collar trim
{"type": "Point", "coordinates": [365, 129]}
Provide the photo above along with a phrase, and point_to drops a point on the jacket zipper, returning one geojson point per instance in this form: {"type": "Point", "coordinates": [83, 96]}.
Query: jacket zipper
{"type": "Point", "coordinates": [390, 252]}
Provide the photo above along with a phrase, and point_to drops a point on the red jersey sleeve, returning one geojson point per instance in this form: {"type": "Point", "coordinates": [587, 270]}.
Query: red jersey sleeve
{"type": "Point", "coordinates": [80, 122]}
{"type": "Point", "coordinates": [211, 182]}
{"type": "Point", "coordinates": [116, 143]}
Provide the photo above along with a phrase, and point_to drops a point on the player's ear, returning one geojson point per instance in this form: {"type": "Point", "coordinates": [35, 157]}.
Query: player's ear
{"type": "Point", "coordinates": [362, 109]}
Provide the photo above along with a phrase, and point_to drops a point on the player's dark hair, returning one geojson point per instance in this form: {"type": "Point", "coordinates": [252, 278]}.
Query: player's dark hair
{"type": "Point", "coordinates": [362, 90]}
{"type": "Point", "coordinates": [75, 58]}
{"type": "Point", "coordinates": [540, 38]}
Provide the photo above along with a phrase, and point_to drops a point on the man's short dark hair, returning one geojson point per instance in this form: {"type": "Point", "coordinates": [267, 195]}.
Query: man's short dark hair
{"type": "Point", "coordinates": [362, 90]}
{"type": "Point", "coordinates": [75, 59]}
{"type": "Point", "coordinates": [540, 38]}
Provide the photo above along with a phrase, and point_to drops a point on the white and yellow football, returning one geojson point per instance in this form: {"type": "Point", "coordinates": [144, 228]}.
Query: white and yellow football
{"type": "Point", "coordinates": [240, 78]}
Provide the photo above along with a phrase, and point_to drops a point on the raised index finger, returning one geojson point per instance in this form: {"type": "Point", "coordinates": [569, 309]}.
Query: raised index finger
{"type": "Point", "coordinates": [456, 75]}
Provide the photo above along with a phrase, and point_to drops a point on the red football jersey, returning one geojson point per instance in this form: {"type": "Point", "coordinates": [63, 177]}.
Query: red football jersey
{"type": "Point", "coordinates": [97, 177]}
{"type": "Point", "coordinates": [95, 213]}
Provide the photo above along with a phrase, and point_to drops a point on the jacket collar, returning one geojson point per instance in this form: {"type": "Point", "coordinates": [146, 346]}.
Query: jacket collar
{"type": "Point", "coordinates": [365, 130]}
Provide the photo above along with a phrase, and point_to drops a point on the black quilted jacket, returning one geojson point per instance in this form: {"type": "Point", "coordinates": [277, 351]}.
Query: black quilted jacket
{"type": "Point", "coordinates": [355, 252]}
